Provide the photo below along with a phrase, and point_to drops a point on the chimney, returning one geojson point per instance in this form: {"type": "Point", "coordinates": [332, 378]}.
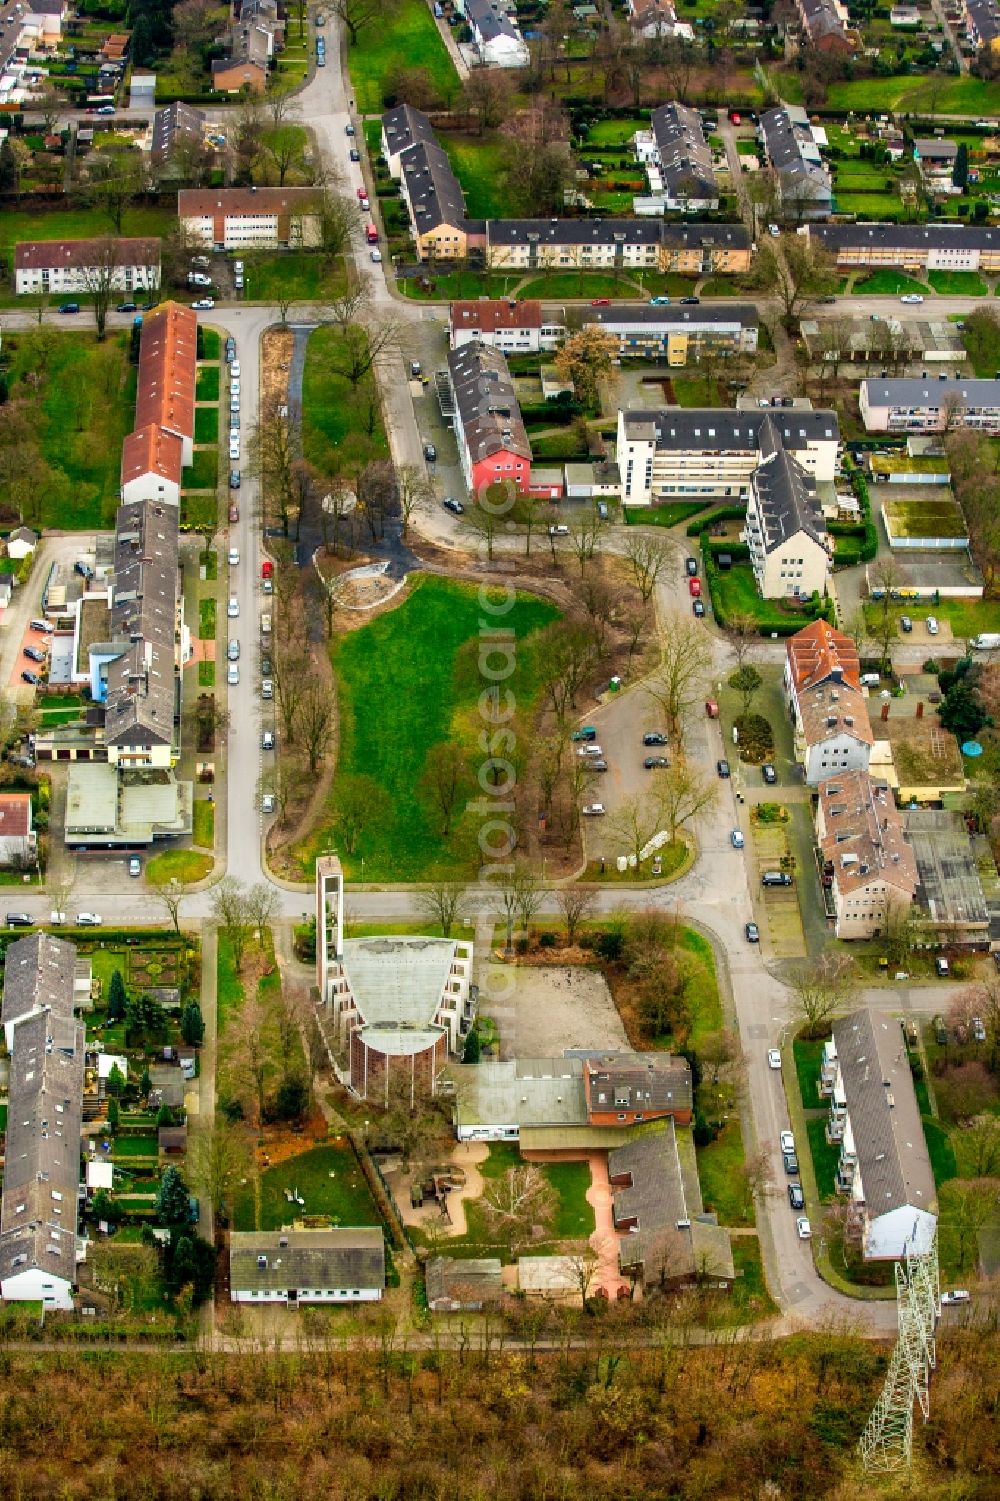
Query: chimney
{"type": "Point", "coordinates": [885, 710]}
{"type": "Point", "coordinates": [920, 709]}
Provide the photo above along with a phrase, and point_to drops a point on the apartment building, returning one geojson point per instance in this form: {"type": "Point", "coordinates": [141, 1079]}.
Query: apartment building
{"type": "Point", "coordinates": [982, 20]}
{"type": "Point", "coordinates": [39, 1204]}
{"type": "Point", "coordinates": [689, 454]}
{"type": "Point", "coordinates": [403, 127]}
{"type": "Point", "coordinates": [911, 247]}
{"type": "Point", "coordinates": [513, 326]}
{"type": "Point", "coordinates": [251, 218]}
{"type": "Point", "coordinates": [495, 35]}
{"type": "Point", "coordinates": [884, 1167]}
{"type": "Point", "coordinates": [829, 713]}
{"type": "Point", "coordinates": [804, 184]}
{"type": "Point", "coordinates": [870, 866]}
{"type": "Point", "coordinates": [165, 390]}
{"type": "Point", "coordinates": [677, 334]}
{"type": "Point", "coordinates": [930, 406]}
{"type": "Point", "coordinates": [678, 159]}
{"type": "Point", "coordinates": [435, 203]}
{"type": "Point", "coordinates": [492, 442]}
{"type": "Point", "coordinates": [62, 267]}
{"type": "Point", "coordinates": [152, 463]}
{"type": "Point", "coordinates": [786, 533]}
{"type": "Point", "coordinates": [606, 244]}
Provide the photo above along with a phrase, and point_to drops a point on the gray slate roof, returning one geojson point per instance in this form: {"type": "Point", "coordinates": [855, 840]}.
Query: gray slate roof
{"type": "Point", "coordinates": [38, 973]}
{"type": "Point", "coordinates": [487, 402]}
{"type": "Point", "coordinates": [907, 236]}
{"type": "Point", "coordinates": [885, 1118]}
{"type": "Point", "coordinates": [684, 153]}
{"type": "Point", "coordinates": [785, 139]}
{"type": "Point", "coordinates": [985, 17]}
{"type": "Point", "coordinates": [820, 19]}
{"type": "Point", "coordinates": [38, 1209]}
{"type": "Point", "coordinates": [672, 235]}
{"type": "Point", "coordinates": [624, 315]}
{"type": "Point", "coordinates": [907, 392]}
{"type": "Point", "coordinates": [142, 681]}
{"type": "Point", "coordinates": [656, 1196]}
{"type": "Point", "coordinates": [786, 495]}
{"type": "Point", "coordinates": [177, 121]}
{"type": "Point", "coordinates": [489, 23]}
{"type": "Point", "coordinates": [648, 1082]}
{"type": "Point", "coordinates": [434, 191]}
{"type": "Point", "coordinates": [318, 1260]}
{"type": "Point", "coordinates": [713, 430]}
{"type": "Point", "coordinates": [404, 126]}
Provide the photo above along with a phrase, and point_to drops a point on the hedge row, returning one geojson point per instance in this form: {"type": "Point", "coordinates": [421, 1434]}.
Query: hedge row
{"type": "Point", "coordinates": [738, 551]}
{"type": "Point", "coordinates": [724, 513]}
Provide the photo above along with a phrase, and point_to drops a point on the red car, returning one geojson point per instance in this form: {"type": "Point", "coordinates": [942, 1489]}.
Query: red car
{"type": "Point", "coordinates": [694, 585]}
{"type": "Point", "coordinates": [600, 302]}
{"type": "Point", "coordinates": [267, 569]}
{"type": "Point", "coordinates": [734, 117]}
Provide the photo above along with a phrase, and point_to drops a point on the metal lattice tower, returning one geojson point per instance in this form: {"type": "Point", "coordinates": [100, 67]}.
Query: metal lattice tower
{"type": "Point", "coordinates": [887, 1442]}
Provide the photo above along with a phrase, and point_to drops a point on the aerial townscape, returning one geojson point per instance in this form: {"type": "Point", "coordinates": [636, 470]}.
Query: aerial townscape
{"type": "Point", "coordinates": [499, 750]}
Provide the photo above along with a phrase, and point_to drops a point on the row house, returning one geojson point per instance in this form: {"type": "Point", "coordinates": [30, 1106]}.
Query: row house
{"type": "Point", "coordinates": [251, 218]}
{"type": "Point", "coordinates": [826, 704]}
{"type": "Point", "coordinates": [870, 866]}
{"type": "Point", "coordinates": [67, 267]}
{"type": "Point", "coordinates": [930, 406]}
{"type": "Point", "coordinates": [493, 445]}
{"type": "Point", "coordinates": [915, 248]}
{"type": "Point", "coordinates": [677, 334]}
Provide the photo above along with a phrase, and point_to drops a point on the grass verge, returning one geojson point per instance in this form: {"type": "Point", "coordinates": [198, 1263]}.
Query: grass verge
{"type": "Point", "coordinates": [185, 866]}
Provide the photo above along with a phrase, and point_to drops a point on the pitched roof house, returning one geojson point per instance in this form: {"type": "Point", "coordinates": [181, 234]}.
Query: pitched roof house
{"type": "Point", "coordinates": [872, 868]}
{"type": "Point", "coordinates": [152, 461]}
{"type": "Point", "coordinates": [493, 444]}
{"type": "Point", "coordinates": [663, 1245]}
{"type": "Point", "coordinates": [345, 1265]}
{"type": "Point", "coordinates": [874, 1115]}
{"type": "Point", "coordinates": [18, 839]}
{"type": "Point", "coordinates": [455, 1285]}
{"type": "Point", "coordinates": [786, 533]}
{"type": "Point", "coordinates": [829, 712]}
{"type": "Point", "coordinates": [168, 354]}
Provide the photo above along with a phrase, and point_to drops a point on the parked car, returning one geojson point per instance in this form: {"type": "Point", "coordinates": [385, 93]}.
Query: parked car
{"type": "Point", "coordinates": [454, 506]}
{"type": "Point", "coordinates": [233, 675]}
{"type": "Point", "coordinates": [234, 479]}
{"type": "Point", "coordinates": [558, 531]}
{"type": "Point", "coordinates": [774, 1057]}
{"type": "Point", "coordinates": [796, 1197]}
{"type": "Point", "coordinates": [752, 932]}
{"type": "Point", "coordinates": [769, 774]}
{"type": "Point", "coordinates": [267, 740]}
{"type": "Point", "coordinates": [912, 298]}
{"type": "Point", "coordinates": [234, 370]}
{"type": "Point", "coordinates": [69, 307]}
{"type": "Point", "coordinates": [33, 654]}
{"type": "Point", "coordinates": [698, 609]}
{"type": "Point", "coordinates": [958, 1295]}
{"type": "Point", "coordinates": [203, 304]}
{"type": "Point", "coordinates": [653, 763]}
{"type": "Point", "coordinates": [19, 920]}
{"type": "Point", "coordinates": [791, 1163]}
{"type": "Point", "coordinates": [30, 677]}
{"type": "Point", "coordinates": [654, 737]}
{"type": "Point", "coordinates": [978, 1029]}
{"type": "Point", "coordinates": [691, 564]}
{"type": "Point", "coordinates": [804, 1228]}
{"type": "Point", "coordinates": [932, 625]}
{"type": "Point", "coordinates": [775, 878]}
{"type": "Point", "coordinates": [905, 624]}
{"type": "Point", "coordinates": [135, 866]}
{"type": "Point", "coordinates": [588, 732]}
{"type": "Point", "coordinates": [234, 556]}
{"type": "Point", "coordinates": [690, 301]}
{"type": "Point", "coordinates": [786, 1141]}
{"type": "Point", "coordinates": [597, 764]}
{"type": "Point", "coordinates": [722, 767]}
{"type": "Point", "coordinates": [88, 920]}
{"type": "Point", "coordinates": [233, 607]}
{"type": "Point", "coordinates": [126, 307]}
{"type": "Point", "coordinates": [233, 651]}
{"type": "Point", "coordinates": [600, 302]}
{"type": "Point", "coordinates": [737, 839]}
{"type": "Point", "coordinates": [590, 749]}
{"type": "Point", "coordinates": [349, 130]}
{"type": "Point", "coordinates": [44, 626]}
{"type": "Point", "coordinates": [355, 154]}
{"type": "Point", "coordinates": [377, 256]}
{"type": "Point", "coordinates": [593, 810]}
{"type": "Point", "coordinates": [430, 453]}
{"type": "Point", "coordinates": [941, 966]}
{"type": "Point", "coordinates": [659, 302]}
{"type": "Point", "coordinates": [694, 588]}
{"type": "Point", "coordinates": [234, 446]}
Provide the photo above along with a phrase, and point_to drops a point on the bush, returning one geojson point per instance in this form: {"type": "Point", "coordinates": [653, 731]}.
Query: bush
{"type": "Point", "coordinates": [723, 513]}
{"type": "Point", "coordinates": [546, 940]}
{"type": "Point", "coordinates": [610, 946]}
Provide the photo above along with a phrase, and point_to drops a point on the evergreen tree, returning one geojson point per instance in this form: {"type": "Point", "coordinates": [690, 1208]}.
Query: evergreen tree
{"type": "Point", "coordinates": [473, 1047]}
{"type": "Point", "coordinates": [172, 1207]}
{"type": "Point", "coordinates": [960, 172]}
{"type": "Point", "coordinates": [114, 1114]}
{"type": "Point", "coordinates": [192, 1024]}
{"type": "Point", "coordinates": [145, 1083]}
{"type": "Point", "coordinates": [116, 997]}
{"type": "Point", "coordinates": [116, 1081]}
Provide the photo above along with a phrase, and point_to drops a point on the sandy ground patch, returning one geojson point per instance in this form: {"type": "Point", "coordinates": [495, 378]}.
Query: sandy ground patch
{"type": "Point", "coordinates": [467, 1155]}
{"type": "Point", "coordinates": [542, 1011]}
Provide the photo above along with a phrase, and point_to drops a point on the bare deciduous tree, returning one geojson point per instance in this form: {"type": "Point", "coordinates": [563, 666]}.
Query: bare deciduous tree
{"type": "Point", "coordinates": [441, 903]}
{"type": "Point", "coordinates": [576, 904]}
{"type": "Point", "coordinates": [680, 678]}
{"type": "Point", "coordinates": [647, 558]}
{"type": "Point", "coordinates": [443, 781]}
{"type": "Point", "coordinates": [231, 910]}
{"type": "Point", "coordinates": [820, 990]}
{"type": "Point", "coordinates": [517, 1204]}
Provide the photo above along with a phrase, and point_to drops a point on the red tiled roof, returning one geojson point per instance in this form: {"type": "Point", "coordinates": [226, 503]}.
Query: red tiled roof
{"type": "Point", "coordinates": [37, 255]}
{"type": "Point", "coordinates": [489, 315]}
{"type": "Point", "coordinates": [15, 814]}
{"type": "Point", "coordinates": [168, 355]}
{"type": "Point", "coordinates": [816, 653]}
{"type": "Point", "coordinates": [152, 450]}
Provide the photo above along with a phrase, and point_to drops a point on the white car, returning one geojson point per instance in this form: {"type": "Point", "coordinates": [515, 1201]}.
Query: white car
{"type": "Point", "coordinates": [234, 371]}
{"type": "Point", "coordinates": [737, 839]}
{"type": "Point", "coordinates": [787, 1141]}
{"type": "Point", "coordinates": [558, 531]}
{"type": "Point", "coordinates": [960, 1295]}
{"type": "Point", "coordinates": [267, 802]}
{"type": "Point", "coordinates": [234, 556]}
{"type": "Point", "coordinates": [234, 448]}
{"type": "Point", "coordinates": [774, 1057]}
{"type": "Point", "coordinates": [233, 675]}
{"type": "Point", "coordinates": [234, 386]}
{"type": "Point", "coordinates": [590, 750]}
{"type": "Point", "coordinates": [593, 810]}
{"type": "Point", "coordinates": [932, 626]}
{"type": "Point", "coordinates": [804, 1228]}
{"type": "Point", "coordinates": [88, 920]}
{"type": "Point", "coordinates": [912, 298]}
{"type": "Point", "coordinates": [233, 608]}
{"type": "Point", "coordinates": [774, 231]}
{"type": "Point", "coordinates": [203, 304]}
{"type": "Point", "coordinates": [377, 256]}
{"type": "Point", "coordinates": [57, 919]}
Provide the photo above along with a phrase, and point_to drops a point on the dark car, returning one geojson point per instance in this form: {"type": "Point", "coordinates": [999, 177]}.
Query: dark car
{"type": "Point", "coordinates": [796, 1197]}
{"type": "Point", "coordinates": [69, 307]}
{"type": "Point", "coordinates": [652, 763]}
{"type": "Point", "coordinates": [690, 301]}
{"type": "Point", "coordinates": [655, 737]}
{"type": "Point", "coordinates": [454, 506]}
{"type": "Point", "coordinates": [691, 564]}
{"type": "Point", "coordinates": [698, 608]}
{"type": "Point", "coordinates": [33, 654]}
{"type": "Point", "coordinates": [905, 624]}
{"type": "Point", "coordinates": [349, 130]}
{"type": "Point", "coordinates": [722, 767]}
{"type": "Point", "coordinates": [791, 1163]}
{"type": "Point", "coordinates": [597, 763]}
{"type": "Point", "coordinates": [430, 453]}
{"type": "Point", "coordinates": [752, 931]}
{"type": "Point", "coordinates": [234, 479]}
{"type": "Point", "coordinates": [18, 920]}
{"type": "Point", "coordinates": [355, 154]}
{"type": "Point", "coordinates": [30, 677]}
{"type": "Point", "coordinates": [265, 665]}
{"type": "Point", "coordinates": [769, 774]}
{"type": "Point", "coordinates": [126, 307]}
